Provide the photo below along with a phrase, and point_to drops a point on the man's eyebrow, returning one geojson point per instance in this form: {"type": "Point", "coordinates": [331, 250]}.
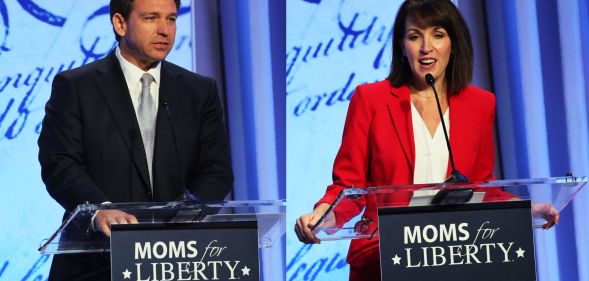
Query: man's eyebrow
{"type": "Point", "coordinates": [149, 14]}
{"type": "Point", "coordinates": [157, 14]}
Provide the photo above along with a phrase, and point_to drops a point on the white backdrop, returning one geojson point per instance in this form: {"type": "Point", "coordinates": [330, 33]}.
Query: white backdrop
{"type": "Point", "coordinates": [37, 40]}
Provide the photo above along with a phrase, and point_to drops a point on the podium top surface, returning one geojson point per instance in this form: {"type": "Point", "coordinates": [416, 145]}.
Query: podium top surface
{"type": "Point", "coordinates": [75, 235]}
{"type": "Point", "coordinates": [355, 205]}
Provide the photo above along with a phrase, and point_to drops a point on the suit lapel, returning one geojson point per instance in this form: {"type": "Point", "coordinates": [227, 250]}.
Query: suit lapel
{"type": "Point", "coordinates": [400, 112]}
{"type": "Point", "coordinates": [168, 92]}
{"type": "Point", "coordinates": [112, 85]}
{"type": "Point", "coordinates": [164, 140]}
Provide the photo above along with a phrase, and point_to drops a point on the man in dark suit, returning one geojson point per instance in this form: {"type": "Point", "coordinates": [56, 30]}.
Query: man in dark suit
{"type": "Point", "coordinates": [131, 127]}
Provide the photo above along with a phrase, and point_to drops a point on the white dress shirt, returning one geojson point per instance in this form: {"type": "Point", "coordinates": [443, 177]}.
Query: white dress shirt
{"type": "Point", "coordinates": [431, 153]}
{"type": "Point", "coordinates": [133, 75]}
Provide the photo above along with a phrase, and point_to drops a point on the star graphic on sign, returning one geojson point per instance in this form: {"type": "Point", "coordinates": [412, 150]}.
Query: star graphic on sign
{"type": "Point", "coordinates": [245, 271]}
{"type": "Point", "coordinates": [396, 260]}
{"type": "Point", "coordinates": [520, 252]}
{"type": "Point", "coordinates": [126, 274]}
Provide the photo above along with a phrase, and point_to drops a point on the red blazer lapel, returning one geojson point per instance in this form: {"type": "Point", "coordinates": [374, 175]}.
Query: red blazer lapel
{"type": "Point", "coordinates": [462, 133]}
{"type": "Point", "coordinates": [400, 112]}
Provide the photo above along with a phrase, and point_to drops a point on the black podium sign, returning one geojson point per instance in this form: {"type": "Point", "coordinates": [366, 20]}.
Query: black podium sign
{"type": "Point", "coordinates": [485, 241]}
{"type": "Point", "coordinates": [199, 251]}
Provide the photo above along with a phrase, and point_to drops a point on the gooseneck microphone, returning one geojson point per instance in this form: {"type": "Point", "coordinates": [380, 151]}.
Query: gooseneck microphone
{"type": "Point", "coordinates": [164, 103]}
{"type": "Point", "coordinates": [456, 176]}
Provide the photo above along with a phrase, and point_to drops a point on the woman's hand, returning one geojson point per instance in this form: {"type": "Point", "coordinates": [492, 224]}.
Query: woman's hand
{"type": "Point", "coordinates": [547, 212]}
{"type": "Point", "coordinates": [307, 221]}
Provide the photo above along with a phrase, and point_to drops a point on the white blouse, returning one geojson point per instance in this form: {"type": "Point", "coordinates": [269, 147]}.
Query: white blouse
{"type": "Point", "coordinates": [431, 153]}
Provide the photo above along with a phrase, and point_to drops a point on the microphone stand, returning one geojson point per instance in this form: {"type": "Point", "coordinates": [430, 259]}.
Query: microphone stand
{"type": "Point", "coordinates": [455, 176]}
{"type": "Point", "coordinates": [187, 194]}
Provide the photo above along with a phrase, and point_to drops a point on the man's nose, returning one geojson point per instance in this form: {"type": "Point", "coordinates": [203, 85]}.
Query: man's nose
{"type": "Point", "coordinates": [163, 28]}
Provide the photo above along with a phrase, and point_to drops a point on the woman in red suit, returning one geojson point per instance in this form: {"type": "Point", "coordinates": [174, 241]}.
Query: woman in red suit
{"type": "Point", "coordinates": [393, 134]}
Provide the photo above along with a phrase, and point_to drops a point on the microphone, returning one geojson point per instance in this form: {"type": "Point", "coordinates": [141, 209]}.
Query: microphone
{"type": "Point", "coordinates": [456, 176]}
{"type": "Point", "coordinates": [164, 102]}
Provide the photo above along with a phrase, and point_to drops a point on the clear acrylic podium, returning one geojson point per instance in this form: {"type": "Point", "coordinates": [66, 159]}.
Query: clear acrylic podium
{"type": "Point", "coordinates": [76, 236]}
{"type": "Point", "coordinates": [543, 193]}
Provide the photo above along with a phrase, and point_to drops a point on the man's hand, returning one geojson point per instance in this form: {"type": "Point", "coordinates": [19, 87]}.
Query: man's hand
{"type": "Point", "coordinates": [104, 218]}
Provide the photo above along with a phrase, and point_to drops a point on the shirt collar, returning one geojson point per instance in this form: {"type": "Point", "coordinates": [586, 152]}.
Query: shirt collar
{"type": "Point", "coordinates": [133, 73]}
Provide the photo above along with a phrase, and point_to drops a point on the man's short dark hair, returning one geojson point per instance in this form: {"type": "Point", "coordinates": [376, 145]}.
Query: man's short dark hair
{"type": "Point", "coordinates": [427, 13]}
{"type": "Point", "coordinates": [124, 8]}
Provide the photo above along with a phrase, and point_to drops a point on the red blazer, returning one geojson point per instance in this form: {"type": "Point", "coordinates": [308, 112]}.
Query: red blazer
{"type": "Point", "coordinates": [378, 149]}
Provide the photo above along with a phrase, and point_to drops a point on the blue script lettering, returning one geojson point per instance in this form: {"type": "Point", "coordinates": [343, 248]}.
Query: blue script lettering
{"type": "Point", "coordinates": [297, 268]}
{"type": "Point", "coordinates": [5, 27]}
{"type": "Point", "coordinates": [91, 53]}
{"type": "Point", "coordinates": [32, 273]}
{"type": "Point", "coordinates": [357, 32]}
{"type": "Point", "coordinates": [373, 33]}
{"type": "Point", "coordinates": [29, 84]}
{"type": "Point", "coordinates": [3, 268]}
{"type": "Point", "coordinates": [42, 260]}
{"type": "Point", "coordinates": [15, 128]}
{"type": "Point", "coordinates": [328, 99]}
{"type": "Point", "coordinates": [41, 14]}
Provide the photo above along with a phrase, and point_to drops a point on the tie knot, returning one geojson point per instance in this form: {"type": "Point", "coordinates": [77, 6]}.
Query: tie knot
{"type": "Point", "coordinates": [146, 79]}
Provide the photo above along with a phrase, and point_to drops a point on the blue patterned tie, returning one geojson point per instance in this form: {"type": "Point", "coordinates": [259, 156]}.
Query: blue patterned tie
{"type": "Point", "coordinates": [147, 114]}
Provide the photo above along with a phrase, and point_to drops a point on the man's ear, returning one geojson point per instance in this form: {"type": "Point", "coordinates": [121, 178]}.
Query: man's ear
{"type": "Point", "coordinates": [119, 24]}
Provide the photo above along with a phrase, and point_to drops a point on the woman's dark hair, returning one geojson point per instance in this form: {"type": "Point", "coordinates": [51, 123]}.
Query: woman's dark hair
{"type": "Point", "coordinates": [124, 7]}
{"type": "Point", "coordinates": [427, 13]}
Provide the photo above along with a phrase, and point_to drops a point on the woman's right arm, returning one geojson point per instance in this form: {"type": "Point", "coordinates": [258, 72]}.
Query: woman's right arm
{"type": "Point", "coordinates": [350, 169]}
{"type": "Point", "coordinates": [306, 222]}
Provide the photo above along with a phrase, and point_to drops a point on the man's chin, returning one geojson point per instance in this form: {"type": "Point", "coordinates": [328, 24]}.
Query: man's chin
{"type": "Point", "coordinates": [160, 54]}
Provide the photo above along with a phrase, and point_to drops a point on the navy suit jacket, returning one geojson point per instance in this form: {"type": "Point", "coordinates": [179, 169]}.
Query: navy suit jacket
{"type": "Point", "coordinates": [90, 146]}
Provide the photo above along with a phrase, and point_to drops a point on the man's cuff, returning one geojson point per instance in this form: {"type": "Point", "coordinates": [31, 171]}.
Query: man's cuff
{"type": "Point", "coordinates": [92, 226]}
